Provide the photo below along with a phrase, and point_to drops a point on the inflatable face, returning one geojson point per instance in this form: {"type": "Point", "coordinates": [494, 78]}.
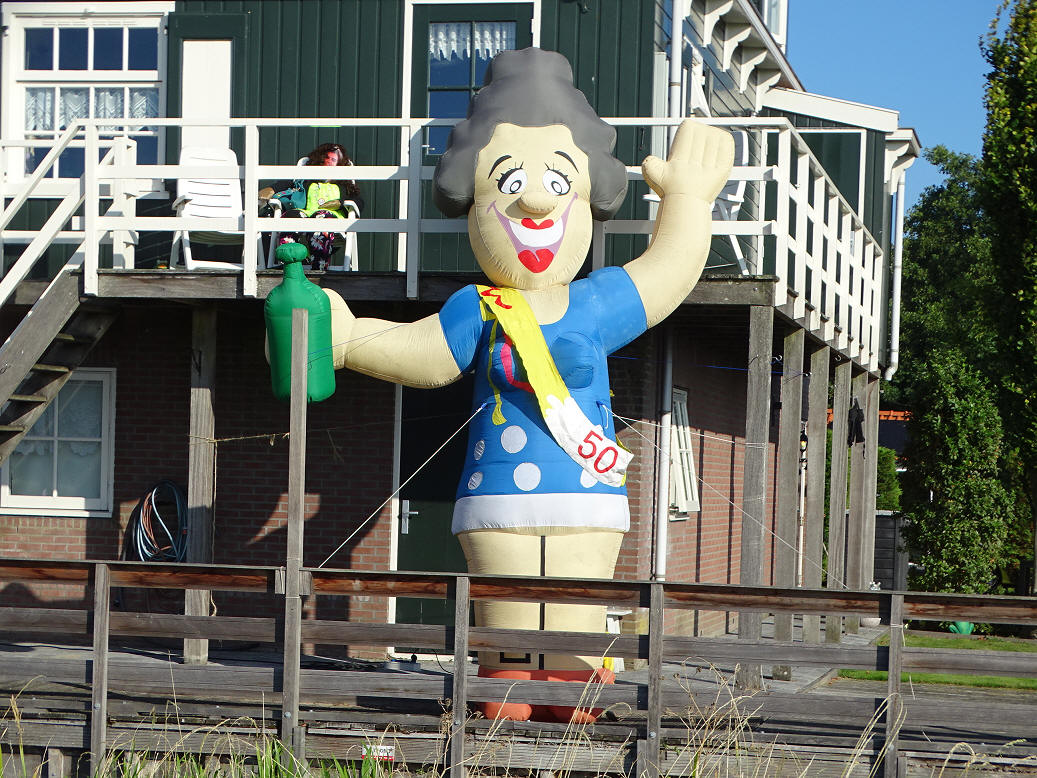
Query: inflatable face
{"type": "Point", "coordinates": [530, 225]}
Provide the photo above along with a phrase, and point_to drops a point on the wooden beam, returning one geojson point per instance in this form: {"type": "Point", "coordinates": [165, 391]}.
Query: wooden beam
{"type": "Point", "coordinates": [894, 702]}
{"type": "Point", "coordinates": [786, 537]}
{"type": "Point", "coordinates": [814, 516]}
{"type": "Point", "coordinates": [99, 673]}
{"type": "Point", "coordinates": [174, 285]}
{"type": "Point", "coordinates": [201, 467]}
{"type": "Point", "coordinates": [855, 521]}
{"type": "Point", "coordinates": [649, 752]}
{"type": "Point", "coordinates": [871, 462]}
{"type": "Point", "coordinates": [290, 727]}
{"type": "Point", "coordinates": [459, 699]}
{"type": "Point", "coordinates": [837, 496]}
{"type": "Point", "coordinates": [754, 489]}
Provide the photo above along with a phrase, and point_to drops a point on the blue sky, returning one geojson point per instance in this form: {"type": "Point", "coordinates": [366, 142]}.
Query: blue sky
{"type": "Point", "coordinates": [919, 57]}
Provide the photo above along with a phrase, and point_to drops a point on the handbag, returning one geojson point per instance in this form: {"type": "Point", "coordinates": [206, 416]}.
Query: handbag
{"type": "Point", "coordinates": [294, 197]}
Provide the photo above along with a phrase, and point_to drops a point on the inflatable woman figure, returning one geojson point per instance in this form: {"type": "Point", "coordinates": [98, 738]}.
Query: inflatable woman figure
{"type": "Point", "coordinates": [542, 492]}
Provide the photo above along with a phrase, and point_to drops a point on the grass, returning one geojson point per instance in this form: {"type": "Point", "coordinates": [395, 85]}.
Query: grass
{"type": "Point", "coordinates": [982, 643]}
{"type": "Point", "coordinates": [718, 741]}
{"type": "Point", "coordinates": [983, 681]}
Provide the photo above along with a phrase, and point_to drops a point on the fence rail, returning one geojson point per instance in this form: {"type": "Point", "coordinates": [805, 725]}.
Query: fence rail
{"type": "Point", "coordinates": [653, 698]}
{"type": "Point", "coordinates": [796, 225]}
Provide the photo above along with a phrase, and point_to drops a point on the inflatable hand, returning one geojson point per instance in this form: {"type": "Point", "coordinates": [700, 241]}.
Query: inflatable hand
{"type": "Point", "coordinates": [586, 443]}
{"type": "Point", "coordinates": [699, 163]}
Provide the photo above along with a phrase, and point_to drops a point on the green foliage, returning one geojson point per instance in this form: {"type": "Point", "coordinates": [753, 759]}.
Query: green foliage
{"type": "Point", "coordinates": [957, 507]}
{"type": "Point", "coordinates": [1009, 196]}
{"type": "Point", "coordinates": [887, 487]}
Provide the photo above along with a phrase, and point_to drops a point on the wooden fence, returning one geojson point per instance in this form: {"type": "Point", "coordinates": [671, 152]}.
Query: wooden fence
{"type": "Point", "coordinates": [295, 686]}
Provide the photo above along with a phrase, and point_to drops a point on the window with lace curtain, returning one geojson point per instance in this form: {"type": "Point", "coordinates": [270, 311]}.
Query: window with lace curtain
{"type": "Point", "coordinates": [458, 55]}
{"type": "Point", "coordinates": [65, 462]}
{"type": "Point", "coordinates": [100, 66]}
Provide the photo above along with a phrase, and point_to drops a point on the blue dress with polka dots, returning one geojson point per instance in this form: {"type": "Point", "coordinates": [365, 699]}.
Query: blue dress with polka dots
{"type": "Point", "coordinates": [515, 475]}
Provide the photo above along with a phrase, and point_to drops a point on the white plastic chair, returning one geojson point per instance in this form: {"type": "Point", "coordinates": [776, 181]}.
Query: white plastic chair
{"type": "Point", "coordinates": [346, 240]}
{"type": "Point", "coordinates": [208, 198]}
{"type": "Point", "coordinates": [730, 199]}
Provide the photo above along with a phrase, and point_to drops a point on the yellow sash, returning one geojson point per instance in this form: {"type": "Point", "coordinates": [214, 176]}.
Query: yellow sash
{"type": "Point", "coordinates": [604, 459]}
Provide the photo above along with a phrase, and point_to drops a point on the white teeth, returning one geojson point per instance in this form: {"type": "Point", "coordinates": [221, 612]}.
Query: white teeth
{"type": "Point", "coordinates": [536, 239]}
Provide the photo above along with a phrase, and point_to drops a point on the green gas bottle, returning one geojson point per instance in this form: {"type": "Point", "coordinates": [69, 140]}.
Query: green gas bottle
{"type": "Point", "coordinates": [297, 291]}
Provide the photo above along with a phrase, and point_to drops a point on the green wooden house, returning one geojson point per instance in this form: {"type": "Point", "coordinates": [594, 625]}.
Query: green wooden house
{"type": "Point", "coordinates": [121, 369]}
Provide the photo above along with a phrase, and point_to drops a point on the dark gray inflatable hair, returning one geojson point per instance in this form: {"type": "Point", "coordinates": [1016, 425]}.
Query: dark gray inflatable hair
{"type": "Point", "coordinates": [529, 88]}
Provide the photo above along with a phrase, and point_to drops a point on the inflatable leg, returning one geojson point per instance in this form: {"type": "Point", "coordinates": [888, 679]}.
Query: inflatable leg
{"type": "Point", "coordinates": [516, 711]}
{"type": "Point", "coordinates": [582, 554]}
{"type": "Point", "coordinates": [586, 555]}
{"type": "Point", "coordinates": [584, 714]}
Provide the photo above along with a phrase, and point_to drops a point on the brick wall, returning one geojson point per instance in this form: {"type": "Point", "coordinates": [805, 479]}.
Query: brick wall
{"type": "Point", "coordinates": [349, 461]}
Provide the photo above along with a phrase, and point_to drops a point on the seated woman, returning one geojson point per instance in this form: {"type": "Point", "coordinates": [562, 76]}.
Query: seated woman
{"type": "Point", "coordinates": [324, 199]}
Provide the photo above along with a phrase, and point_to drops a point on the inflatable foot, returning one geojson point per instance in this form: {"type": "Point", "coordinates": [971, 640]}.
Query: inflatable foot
{"type": "Point", "coordinates": [514, 711]}
{"type": "Point", "coordinates": [581, 715]}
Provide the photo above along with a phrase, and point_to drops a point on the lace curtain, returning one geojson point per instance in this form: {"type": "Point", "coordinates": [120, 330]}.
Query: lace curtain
{"type": "Point", "coordinates": [72, 104]}
{"type": "Point", "coordinates": [39, 109]}
{"type": "Point", "coordinates": [458, 39]}
{"type": "Point", "coordinates": [78, 462]}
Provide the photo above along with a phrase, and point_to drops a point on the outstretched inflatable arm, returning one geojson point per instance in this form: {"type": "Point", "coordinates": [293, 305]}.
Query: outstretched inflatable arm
{"type": "Point", "coordinates": [698, 166]}
{"type": "Point", "coordinates": [413, 354]}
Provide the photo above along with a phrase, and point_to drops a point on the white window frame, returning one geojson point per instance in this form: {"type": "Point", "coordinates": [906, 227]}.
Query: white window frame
{"type": "Point", "coordinates": [684, 490]}
{"type": "Point", "coordinates": [28, 505]}
{"type": "Point", "coordinates": [16, 18]}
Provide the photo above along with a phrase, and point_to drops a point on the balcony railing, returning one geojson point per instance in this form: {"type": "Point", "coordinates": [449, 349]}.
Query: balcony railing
{"type": "Point", "coordinates": [793, 224]}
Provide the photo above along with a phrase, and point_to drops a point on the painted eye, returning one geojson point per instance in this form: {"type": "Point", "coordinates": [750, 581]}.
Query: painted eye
{"type": "Point", "coordinates": [556, 183]}
{"type": "Point", "coordinates": [512, 182]}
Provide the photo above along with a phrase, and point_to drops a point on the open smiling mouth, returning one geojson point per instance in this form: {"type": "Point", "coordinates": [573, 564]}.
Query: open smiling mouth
{"type": "Point", "coordinates": [535, 243]}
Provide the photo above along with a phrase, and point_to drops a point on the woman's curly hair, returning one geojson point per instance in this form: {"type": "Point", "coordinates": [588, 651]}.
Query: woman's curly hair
{"type": "Point", "coordinates": [316, 158]}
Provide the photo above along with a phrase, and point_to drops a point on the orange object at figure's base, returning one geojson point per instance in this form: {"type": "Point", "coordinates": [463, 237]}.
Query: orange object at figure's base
{"type": "Point", "coordinates": [565, 714]}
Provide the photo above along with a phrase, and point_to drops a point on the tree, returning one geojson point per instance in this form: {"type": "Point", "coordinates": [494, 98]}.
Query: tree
{"type": "Point", "coordinates": [1010, 199]}
{"type": "Point", "coordinates": [957, 507]}
{"type": "Point", "coordinates": [887, 485]}
{"type": "Point", "coordinates": [951, 302]}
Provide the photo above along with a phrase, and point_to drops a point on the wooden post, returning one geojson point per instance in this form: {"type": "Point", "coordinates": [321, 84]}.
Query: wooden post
{"type": "Point", "coordinates": [99, 677]}
{"type": "Point", "coordinates": [871, 465]}
{"type": "Point", "coordinates": [894, 701]}
{"type": "Point", "coordinates": [648, 750]}
{"type": "Point", "coordinates": [754, 488]}
{"type": "Point", "coordinates": [201, 468]}
{"type": "Point", "coordinates": [786, 537]}
{"type": "Point", "coordinates": [54, 766]}
{"type": "Point", "coordinates": [855, 524]}
{"type": "Point", "coordinates": [814, 512]}
{"type": "Point", "coordinates": [459, 705]}
{"type": "Point", "coordinates": [837, 497]}
{"type": "Point", "coordinates": [291, 732]}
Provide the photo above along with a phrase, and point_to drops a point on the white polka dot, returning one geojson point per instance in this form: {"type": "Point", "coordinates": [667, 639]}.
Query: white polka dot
{"type": "Point", "coordinates": [527, 476]}
{"type": "Point", "coordinates": [480, 447]}
{"type": "Point", "coordinates": [587, 480]}
{"type": "Point", "coordinates": [513, 439]}
{"type": "Point", "coordinates": [475, 480]}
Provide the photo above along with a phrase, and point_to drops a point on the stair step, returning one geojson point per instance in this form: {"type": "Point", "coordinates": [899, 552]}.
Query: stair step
{"type": "Point", "coordinates": [68, 337]}
{"type": "Point", "coordinates": [28, 398]}
{"type": "Point", "coordinates": [12, 428]}
{"type": "Point", "coordinates": [42, 368]}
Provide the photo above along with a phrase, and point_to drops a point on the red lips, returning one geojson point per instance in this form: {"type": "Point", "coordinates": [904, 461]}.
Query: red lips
{"type": "Point", "coordinates": [529, 224]}
{"type": "Point", "coordinates": [536, 263]}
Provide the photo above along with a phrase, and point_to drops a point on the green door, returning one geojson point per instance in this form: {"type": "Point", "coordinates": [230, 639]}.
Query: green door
{"type": "Point", "coordinates": [425, 543]}
{"type": "Point", "coordinates": [453, 45]}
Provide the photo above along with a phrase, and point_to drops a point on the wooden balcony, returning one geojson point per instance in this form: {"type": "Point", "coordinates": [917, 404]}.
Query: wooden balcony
{"type": "Point", "coordinates": [796, 242]}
